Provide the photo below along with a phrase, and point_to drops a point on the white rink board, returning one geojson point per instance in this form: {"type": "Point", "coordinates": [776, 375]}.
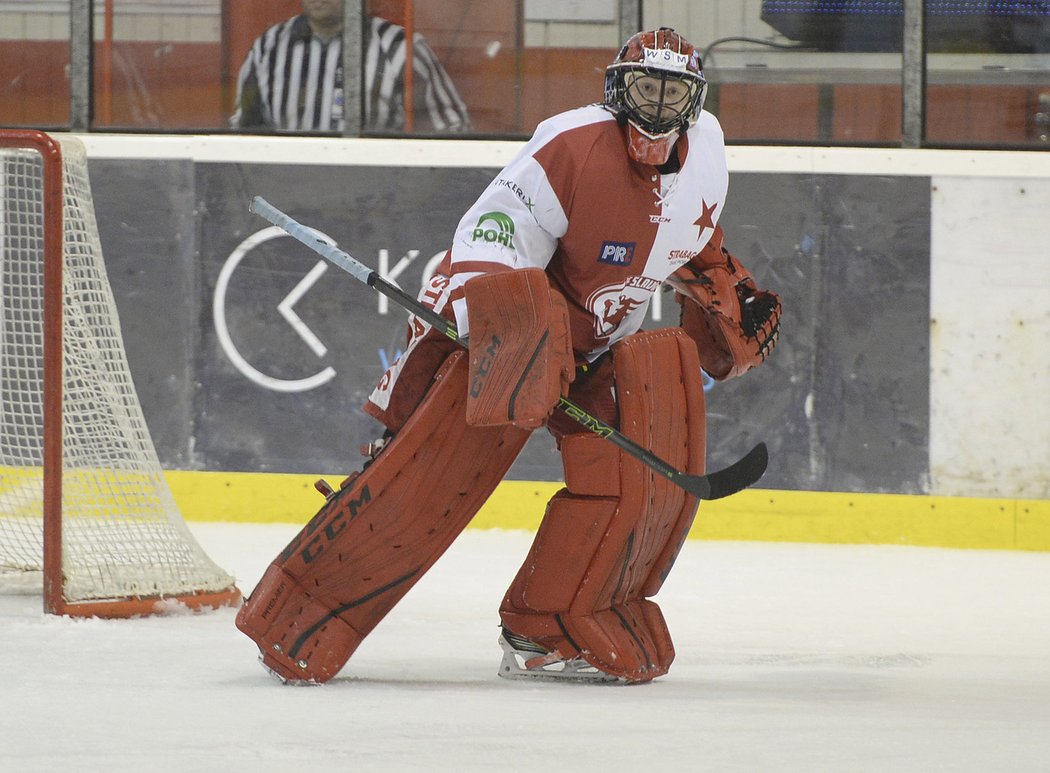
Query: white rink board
{"type": "Point", "coordinates": [989, 334]}
{"type": "Point", "coordinates": [467, 153]}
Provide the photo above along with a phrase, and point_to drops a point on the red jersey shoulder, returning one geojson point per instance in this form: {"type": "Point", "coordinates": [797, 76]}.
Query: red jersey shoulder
{"type": "Point", "coordinates": [584, 141]}
{"type": "Point", "coordinates": [574, 126]}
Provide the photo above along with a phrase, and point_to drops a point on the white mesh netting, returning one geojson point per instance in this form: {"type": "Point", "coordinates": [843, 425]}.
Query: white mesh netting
{"type": "Point", "coordinates": [122, 533]}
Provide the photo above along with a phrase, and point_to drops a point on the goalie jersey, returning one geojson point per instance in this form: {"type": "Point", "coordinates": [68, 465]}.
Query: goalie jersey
{"type": "Point", "coordinates": [607, 230]}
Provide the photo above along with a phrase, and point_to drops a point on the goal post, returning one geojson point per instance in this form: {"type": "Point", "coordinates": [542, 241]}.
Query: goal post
{"type": "Point", "coordinates": [83, 500]}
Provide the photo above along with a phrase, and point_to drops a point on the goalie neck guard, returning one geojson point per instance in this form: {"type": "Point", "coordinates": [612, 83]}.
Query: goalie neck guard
{"type": "Point", "coordinates": [657, 87]}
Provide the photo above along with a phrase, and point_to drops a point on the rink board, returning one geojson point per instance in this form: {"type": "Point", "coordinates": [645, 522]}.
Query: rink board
{"type": "Point", "coordinates": [912, 360]}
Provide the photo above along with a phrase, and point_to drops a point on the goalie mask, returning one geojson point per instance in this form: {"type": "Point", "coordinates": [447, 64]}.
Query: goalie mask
{"type": "Point", "coordinates": [656, 85]}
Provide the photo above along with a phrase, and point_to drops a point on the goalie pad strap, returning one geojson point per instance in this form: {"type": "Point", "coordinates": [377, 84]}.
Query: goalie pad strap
{"type": "Point", "coordinates": [373, 540]}
{"type": "Point", "coordinates": [610, 537]}
{"type": "Point", "coordinates": [521, 357]}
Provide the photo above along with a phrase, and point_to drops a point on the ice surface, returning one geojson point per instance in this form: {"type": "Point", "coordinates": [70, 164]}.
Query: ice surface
{"type": "Point", "coordinates": [790, 657]}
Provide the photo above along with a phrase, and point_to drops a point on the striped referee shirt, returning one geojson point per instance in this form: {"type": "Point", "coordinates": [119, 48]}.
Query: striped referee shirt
{"type": "Point", "coordinates": [293, 81]}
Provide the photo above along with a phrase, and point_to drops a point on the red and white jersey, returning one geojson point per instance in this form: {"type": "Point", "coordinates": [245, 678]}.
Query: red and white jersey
{"type": "Point", "coordinates": [607, 230]}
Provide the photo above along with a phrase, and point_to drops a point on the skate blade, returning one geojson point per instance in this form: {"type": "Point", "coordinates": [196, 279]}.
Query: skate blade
{"type": "Point", "coordinates": [550, 667]}
{"type": "Point", "coordinates": [277, 675]}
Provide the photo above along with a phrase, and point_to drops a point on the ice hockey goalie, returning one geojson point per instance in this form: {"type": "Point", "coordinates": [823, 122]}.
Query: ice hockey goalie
{"type": "Point", "coordinates": [550, 275]}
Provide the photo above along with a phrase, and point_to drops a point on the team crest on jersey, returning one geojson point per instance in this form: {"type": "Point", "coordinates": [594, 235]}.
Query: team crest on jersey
{"type": "Point", "coordinates": [495, 228]}
{"type": "Point", "coordinates": [617, 253]}
{"type": "Point", "coordinates": [613, 303]}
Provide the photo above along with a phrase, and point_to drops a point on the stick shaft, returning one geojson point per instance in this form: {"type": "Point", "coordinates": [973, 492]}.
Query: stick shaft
{"type": "Point", "coordinates": [352, 266]}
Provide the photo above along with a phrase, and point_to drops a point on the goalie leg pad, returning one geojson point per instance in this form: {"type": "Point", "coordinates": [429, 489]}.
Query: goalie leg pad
{"type": "Point", "coordinates": [374, 539]}
{"type": "Point", "coordinates": [294, 630]}
{"type": "Point", "coordinates": [610, 537]}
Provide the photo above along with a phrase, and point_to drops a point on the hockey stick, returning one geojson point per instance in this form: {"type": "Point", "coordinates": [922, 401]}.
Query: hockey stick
{"type": "Point", "coordinates": [715, 485]}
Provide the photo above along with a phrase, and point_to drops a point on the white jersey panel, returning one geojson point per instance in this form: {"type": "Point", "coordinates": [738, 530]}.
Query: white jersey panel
{"type": "Point", "coordinates": [691, 201]}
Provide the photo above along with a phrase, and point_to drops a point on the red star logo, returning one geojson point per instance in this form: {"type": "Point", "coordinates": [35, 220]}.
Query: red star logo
{"type": "Point", "coordinates": [706, 220]}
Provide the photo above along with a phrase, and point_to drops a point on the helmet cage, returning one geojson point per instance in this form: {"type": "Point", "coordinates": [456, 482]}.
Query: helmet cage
{"type": "Point", "coordinates": [654, 59]}
{"type": "Point", "coordinates": [656, 114]}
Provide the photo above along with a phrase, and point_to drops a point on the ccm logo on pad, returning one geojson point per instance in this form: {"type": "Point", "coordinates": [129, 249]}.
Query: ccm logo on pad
{"type": "Point", "coordinates": [617, 253]}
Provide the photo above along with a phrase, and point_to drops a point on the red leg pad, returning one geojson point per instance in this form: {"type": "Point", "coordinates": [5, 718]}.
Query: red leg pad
{"type": "Point", "coordinates": [376, 537]}
{"type": "Point", "coordinates": [298, 637]}
{"type": "Point", "coordinates": [610, 537]}
{"type": "Point", "coordinates": [628, 639]}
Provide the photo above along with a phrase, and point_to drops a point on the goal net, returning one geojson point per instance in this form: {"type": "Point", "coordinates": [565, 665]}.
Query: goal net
{"type": "Point", "coordinates": [83, 502]}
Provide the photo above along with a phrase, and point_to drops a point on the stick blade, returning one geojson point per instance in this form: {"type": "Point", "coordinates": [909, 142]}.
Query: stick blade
{"type": "Point", "coordinates": [741, 474]}
{"type": "Point", "coordinates": [734, 478]}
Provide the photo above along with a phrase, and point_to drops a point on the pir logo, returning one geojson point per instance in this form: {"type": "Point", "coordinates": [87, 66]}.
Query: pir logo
{"type": "Point", "coordinates": [501, 233]}
{"type": "Point", "coordinates": [612, 304]}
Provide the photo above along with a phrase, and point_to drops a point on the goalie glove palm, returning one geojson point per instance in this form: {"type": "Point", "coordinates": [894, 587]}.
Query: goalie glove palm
{"type": "Point", "coordinates": [734, 324]}
{"type": "Point", "coordinates": [759, 317]}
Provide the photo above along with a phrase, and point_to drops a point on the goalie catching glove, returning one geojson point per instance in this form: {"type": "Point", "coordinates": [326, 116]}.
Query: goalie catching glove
{"type": "Point", "coordinates": [521, 359]}
{"type": "Point", "coordinates": [734, 324]}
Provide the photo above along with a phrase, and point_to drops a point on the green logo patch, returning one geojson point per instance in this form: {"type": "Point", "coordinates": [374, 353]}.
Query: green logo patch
{"type": "Point", "coordinates": [501, 230]}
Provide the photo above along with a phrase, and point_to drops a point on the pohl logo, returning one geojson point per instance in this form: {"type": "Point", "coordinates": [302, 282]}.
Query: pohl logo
{"type": "Point", "coordinates": [503, 233]}
{"type": "Point", "coordinates": [617, 253]}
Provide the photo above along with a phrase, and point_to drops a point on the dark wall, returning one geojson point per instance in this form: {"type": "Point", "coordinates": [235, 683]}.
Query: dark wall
{"type": "Point", "coordinates": [843, 403]}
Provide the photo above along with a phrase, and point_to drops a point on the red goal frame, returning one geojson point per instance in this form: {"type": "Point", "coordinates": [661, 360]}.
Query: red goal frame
{"type": "Point", "coordinates": [53, 244]}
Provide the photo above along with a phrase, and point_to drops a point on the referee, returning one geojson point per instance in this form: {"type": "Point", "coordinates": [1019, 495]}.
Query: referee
{"type": "Point", "coordinates": [292, 79]}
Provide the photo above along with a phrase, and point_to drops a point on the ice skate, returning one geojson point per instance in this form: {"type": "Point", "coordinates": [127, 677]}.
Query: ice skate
{"type": "Point", "coordinates": [279, 677]}
{"type": "Point", "coordinates": [525, 659]}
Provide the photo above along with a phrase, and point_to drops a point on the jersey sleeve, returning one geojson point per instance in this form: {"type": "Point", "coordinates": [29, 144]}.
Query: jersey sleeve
{"type": "Point", "coordinates": [514, 224]}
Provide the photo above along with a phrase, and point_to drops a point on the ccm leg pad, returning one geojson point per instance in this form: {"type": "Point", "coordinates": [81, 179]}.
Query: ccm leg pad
{"type": "Point", "coordinates": [373, 540]}
{"type": "Point", "coordinates": [298, 632]}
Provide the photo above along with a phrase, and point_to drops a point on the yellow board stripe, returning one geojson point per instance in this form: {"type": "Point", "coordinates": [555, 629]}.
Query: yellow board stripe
{"type": "Point", "coordinates": [757, 514]}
